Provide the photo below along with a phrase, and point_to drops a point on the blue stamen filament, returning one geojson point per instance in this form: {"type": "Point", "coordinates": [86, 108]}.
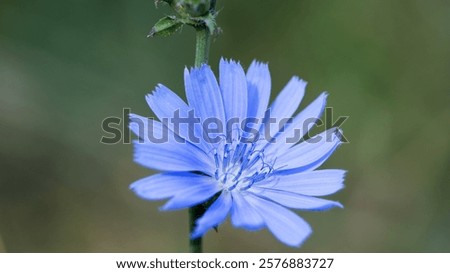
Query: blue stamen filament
{"type": "Point", "coordinates": [240, 167]}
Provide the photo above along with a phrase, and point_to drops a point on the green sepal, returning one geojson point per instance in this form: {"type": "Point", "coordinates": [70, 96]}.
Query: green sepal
{"type": "Point", "coordinates": [210, 22]}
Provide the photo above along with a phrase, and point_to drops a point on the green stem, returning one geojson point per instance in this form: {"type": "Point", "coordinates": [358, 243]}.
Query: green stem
{"type": "Point", "coordinates": [203, 42]}
{"type": "Point", "coordinates": [195, 245]}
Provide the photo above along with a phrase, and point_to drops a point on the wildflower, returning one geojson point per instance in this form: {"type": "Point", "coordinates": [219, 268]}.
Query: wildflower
{"type": "Point", "coordinates": [255, 177]}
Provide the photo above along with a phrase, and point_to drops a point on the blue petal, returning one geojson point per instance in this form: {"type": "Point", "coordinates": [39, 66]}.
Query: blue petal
{"type": "Point", "coordinates": [294, 200]}
{"type": "Point", "coordinates": [200, 191]}
{"type": "Point", "coordinates": [309, 154]}
{"type": "Point", "coordinates": [243, 215]}
{"type": "Point", "coordinates": [258, 84]}
{"type": "Point", "coordinates": [313, 183]}
{"type": "Point", "coordinates": [233, 85]}
{"type": "Point", "coordinates": [302, 123]}
{"type": "Point", "coordinates": [288, 100]}
{"type": "Point", "coordinates": [159, 148]}
{"type": "Point", "coordinates": [203, 94]}
{"type": "Point", "coordinates": [164, 104]}
{"type": "Point", "coordinates": [165, 185]}
{"type": "Point", "coordinates": [214, 216]}
{"type": "Point", "coordinates": [172, 156]}
{"type": "Point", "coordinates": [285, 225]}
{"type": "Point", "coordinates": [151, 131]}
{"type": "Point", "coordinates": [142, 127]}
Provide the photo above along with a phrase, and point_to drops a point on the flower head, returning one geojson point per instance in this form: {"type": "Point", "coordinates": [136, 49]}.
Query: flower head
{"type": "Point", "coordinates": [227, 144]}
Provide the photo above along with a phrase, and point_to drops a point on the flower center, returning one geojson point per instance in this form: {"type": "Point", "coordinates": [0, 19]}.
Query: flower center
{"type": "Point", "coordinates": [239, 165]}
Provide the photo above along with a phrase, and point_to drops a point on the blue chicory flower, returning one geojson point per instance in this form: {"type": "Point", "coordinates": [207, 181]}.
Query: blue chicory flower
{"type": "Point", "coordinates": [255, 179]}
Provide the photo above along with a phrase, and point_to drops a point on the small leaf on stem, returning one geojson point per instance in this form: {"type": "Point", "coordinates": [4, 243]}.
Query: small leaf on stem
{"type": "Point", "coordinates": [166, 26]}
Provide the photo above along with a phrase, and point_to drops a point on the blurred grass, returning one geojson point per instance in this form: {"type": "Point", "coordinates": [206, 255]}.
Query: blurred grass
{"type": "Point", "coordinates": [67, 65]}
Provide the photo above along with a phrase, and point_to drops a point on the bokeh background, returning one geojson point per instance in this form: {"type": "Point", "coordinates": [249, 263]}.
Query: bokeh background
{"type": "Point", "coordinates": [67, 65]}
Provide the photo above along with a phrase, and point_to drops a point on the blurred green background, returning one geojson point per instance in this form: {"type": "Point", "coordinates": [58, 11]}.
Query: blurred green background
{"type": "Point", "coordinates": [67, 65]}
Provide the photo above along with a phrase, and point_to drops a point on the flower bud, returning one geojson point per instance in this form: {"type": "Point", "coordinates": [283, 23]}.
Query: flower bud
{"type": "Point", "coordinates": [194, 8]}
